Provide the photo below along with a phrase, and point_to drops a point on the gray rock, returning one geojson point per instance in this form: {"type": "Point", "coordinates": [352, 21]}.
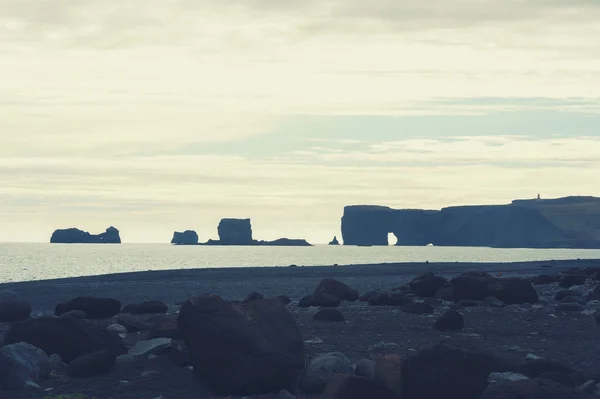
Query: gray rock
{"type": "Point", "coordinates": [13, 307]}
{"type": "Point", "coordinates": [469, 303]}
{"type": "Point", "coordinates": [495, 378]}
{"type": "Point", "coordinates": [92, 364]}
{"type": "Point", "coordinates": [570, 307]}
{"type": "Point", "coordinates": [493, 302]}
{"type": "Point", "coordinates": [22, 364]}
{"type": "Point", "coordinates": [365, 368]}
{"type": "Point", "coordinates": [151, 346]}
{"type": "Point", "coordinates": [321, 369]}
{"type": "Point", "coordinates": [116, 329]}
{"type": "Point", "coordinates": [73, 314]}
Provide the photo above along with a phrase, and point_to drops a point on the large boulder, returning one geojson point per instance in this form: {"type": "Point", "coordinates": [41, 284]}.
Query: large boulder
{"type": "Point", "coordinates": [478, 286]}
{"type": "Point", "coordinates": [337, 289]}
{"type": "Point", "coordinates": [451, 320]}
{"type": "Point", "coordinates": [320, 299]}
{"type": "Point", "coordinates": [235, 232]}
{"type": "Point", "coordinates": [531, 389]}
{"type": "Point", "coordinates": [443, 372]}
{"type": "Point", "coordinates": [148, 307]}
{"type": "Point", "coordinates": [321, 369]}
{"type": "Point", "coordinates": [94, 307]}
{"type": "Point", "coordinates": [21, 363]}
{"type": "Point", "coordinates": [68, 338]}
{"type": "Point", "coordinates": [92, 364]}
{"type": "Point", "coordinates": [13, 307]}
{"type": "Point", "coordinates": [426, 286]}
{"type": "Point", "coordinates": [242, 349]}
{"type": "Point", "coordinates": [570, 280]}
{"type": "Point", "coordinates": [76, 236]}
{"type": "Point", "coordinates": [188, 237]}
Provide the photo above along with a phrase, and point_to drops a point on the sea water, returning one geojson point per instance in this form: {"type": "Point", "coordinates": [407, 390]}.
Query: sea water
{"type": "Point", "coordinates": [23, 262]}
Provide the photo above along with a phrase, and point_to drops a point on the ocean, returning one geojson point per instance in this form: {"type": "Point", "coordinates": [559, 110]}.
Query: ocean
{"type": "Point", "coordinates": [25, 262]}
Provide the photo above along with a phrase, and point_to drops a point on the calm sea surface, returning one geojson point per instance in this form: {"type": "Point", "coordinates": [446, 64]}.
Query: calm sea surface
{"type": "Point", "coordinates": [22, 262]}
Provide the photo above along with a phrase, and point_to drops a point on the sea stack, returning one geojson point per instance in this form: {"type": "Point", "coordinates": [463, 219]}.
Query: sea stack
{"type": "Point", "coordinates": [188, 237]}
{"type": "Point", "coordinates": [334, 241]}
{"type": "Point", "coordinates": [235, 232]}
{"type": "Point", "coordinates": [76, 236]}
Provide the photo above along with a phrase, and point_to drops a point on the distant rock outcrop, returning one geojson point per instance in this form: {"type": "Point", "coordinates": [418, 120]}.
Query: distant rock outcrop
{"type": "Point", "coordinates": [334, 241]}
{"type": "Point", "coordinates": [235, 232]}
{"type": "Point", "coordinates": [572, 222]}
{"type": "Point", "coordinates": [188, 237]}
{"type": "Point", "coordinates": [76, 236]}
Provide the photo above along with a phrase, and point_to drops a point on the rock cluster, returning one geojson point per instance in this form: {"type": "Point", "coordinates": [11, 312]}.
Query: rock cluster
{"type": "Point", "coordinates": [76, 236]}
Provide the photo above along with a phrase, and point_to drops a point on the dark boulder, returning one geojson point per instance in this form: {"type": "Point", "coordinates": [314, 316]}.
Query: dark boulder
{"type": "Point", "coordinates": [531, 389]}
{"type": "Point", "coordinates": [13, 307]}
{"type": "Point", "coordinates": [445, 293]}
{"type": "Point", "coordinates": [493, 302]}
{"type": "Point", "coordinates": [244, 349]}
{"type": "Point", "coordinates": [417, 308]}
{"type": "Point", "coordinates": [560, 377]}
{"type": "Point", "coordinates": [323, 300]}
{"type": "Point", "coordinates": [92, 364]}
{"type": "Point", "coordinates": [478, 286]}
{"type": "Point", "coordinates": [76, 236]}
{"type": "Point", "coordinates": [533, 368]}
{"type": "Point", "coordinates": [235, 232]}
{"type": "Point", "coordinates": [428, 286]}
{"type": "Point", "coordinates": [569, 280]}
{"type": "Point", "coordinates": [337, 289]}
{"type": "Point", "coordinates": [93, 307]}
{"type": "Point", "coordinates": [69, 338]}
{"type": "Point", "coordinates": [253, 296]}
{"type": "Point", "coordinates": [148, 307]}
{"type": "Point", "coordinates": [329, 315]}
{"type": "Point", "coordinates": [165, 328]}
{"type": "Point", "coordinates": [570, 307]}
{"type": "Point", "coordinates": [365, 297]}
{"type": "Point", "coordinates": [544, 279]}
{"type": "Point", "coordinates": [442, 372]}
{"type": "Point", "coordinates": [133, 323]}
{"type": "Point", "coordinates": [344, 386]}
{"type": "Point", "coordinates": [560, 295]}
{"type": "Point", "coordinates": [188, 237]}
{"type": "Point", "coordinates": [451, 320]}
{"type": "Point", "coordinates": [467, 303]}
{"type": "Point", "coordinates": [390, 298]}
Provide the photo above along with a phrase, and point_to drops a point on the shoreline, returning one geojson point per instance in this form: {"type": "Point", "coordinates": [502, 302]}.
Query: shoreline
{"type": "Point", "coordinates": [175, 286]}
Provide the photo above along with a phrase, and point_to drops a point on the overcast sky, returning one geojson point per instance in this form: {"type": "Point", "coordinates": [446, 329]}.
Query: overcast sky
{"type": "Point", "coordinates": [162, 115]}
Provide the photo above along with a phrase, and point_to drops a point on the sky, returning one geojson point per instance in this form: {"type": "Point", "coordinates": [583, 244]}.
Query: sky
{"type": "Point", "coordinates": [163, 115]}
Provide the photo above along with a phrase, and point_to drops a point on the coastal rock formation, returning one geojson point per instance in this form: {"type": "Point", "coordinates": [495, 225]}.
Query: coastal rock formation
{"type": "Point", "coordinates": [284, 242]}
{"type": "Point", "coordinates": [243, 349]}
{"type": "Point", "coordinates": [571, 222]}
{"type": "Point", "coordinates": [334, 241]}
{"type": "Point", "coordinates": [188, 237]}
{"type": "Point", "coordinates": [235, 232]}
{"type": "Point", "coordinates": [76, 236]}
{"type": "Point", "coordinates": [479, 286]}
{"type": "Point", "coordinates": [22, 363]}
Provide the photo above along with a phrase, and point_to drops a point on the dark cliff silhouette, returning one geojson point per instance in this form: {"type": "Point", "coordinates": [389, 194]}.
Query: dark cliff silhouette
{"type": "Point", "coordinates": [188, 237]}
{"type": "Point", "coordinates": [76, 236]}
{"type": "Point", "coordinates": [570, 222]}
{"type": "Point", "coordinates": [235, 232]}
{"type": "Point", "coordinates": [334, 241]}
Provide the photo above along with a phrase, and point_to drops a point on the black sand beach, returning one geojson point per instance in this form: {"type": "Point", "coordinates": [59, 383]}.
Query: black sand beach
{"type": "Point", "coordinates": [511, 332]}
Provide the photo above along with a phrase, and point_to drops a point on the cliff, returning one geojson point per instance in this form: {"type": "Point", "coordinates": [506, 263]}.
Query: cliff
{"type": "Point", "coordinates": [571, 222]}
{"type": "Point", "coordinates": [76, 236]}
{"type": "Point", "coordinates": [188, 237]}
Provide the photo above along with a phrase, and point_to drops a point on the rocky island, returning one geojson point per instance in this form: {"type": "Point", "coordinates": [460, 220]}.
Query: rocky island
{"type": "Point", "coordinates": [235, 232]}
{"type": "Point", "coordinates": [188, 237]}
{"type": "Point", "coordinates": [76, 236]}
{"type": "Point", "coordinates": [570, 222]}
